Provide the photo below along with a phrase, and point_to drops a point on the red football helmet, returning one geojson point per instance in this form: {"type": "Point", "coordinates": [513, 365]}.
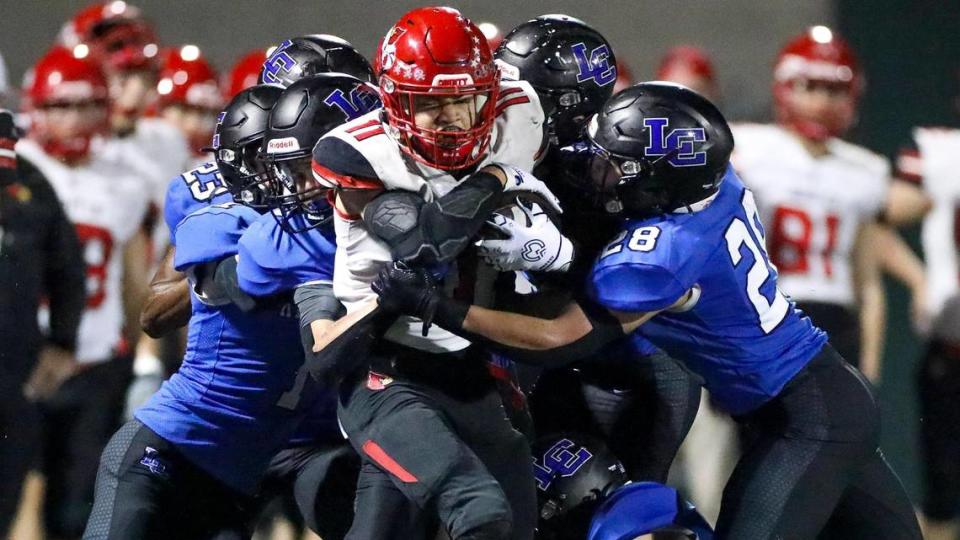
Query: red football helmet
{"type": "Point", "coordinates": [245, 73]}
{"type": "Point", "coordinates": [624, 76]}
{"type": "Point", "coordinates": [435, 52]}
{"type": "Point", "coordinates": [117, 35]}
{"type": "Point", "coordinates": [817, 55]}
{"type": "Point", "coordinates": [690, 66]}
{"type": "Point", "coordinates": [65, 78]}
{"type": "Point", "coordinates": [186, 78]}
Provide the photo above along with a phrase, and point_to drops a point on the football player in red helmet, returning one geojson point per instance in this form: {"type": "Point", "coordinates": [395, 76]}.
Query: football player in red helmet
{"type": "Point", "coordinates": [188, 95]}
{"type": "Point", "coordinates": [817, 83]}
{"type": "Point", "coordinates": [119, 37]}
{"type": "Point", "coordinates": [827, 201]}
{"type": "Point", "coordinates": [439, 89]}
{"type": "Point", "coordinates": [436, 159]}
{"type": "Point", "coordinates": [66, 98]}
{"type": "Point", "coordinates": [245, 73]}
{"type": "Point", "coordinates": [690, 66]}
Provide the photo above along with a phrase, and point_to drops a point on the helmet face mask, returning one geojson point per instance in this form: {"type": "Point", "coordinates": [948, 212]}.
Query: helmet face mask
{"type": "Point", "coordinates": [300, 203]}
{"type": "Point", "coordinates": [442, 126]}
{"type": "Point", "coordinates": [434, 57]}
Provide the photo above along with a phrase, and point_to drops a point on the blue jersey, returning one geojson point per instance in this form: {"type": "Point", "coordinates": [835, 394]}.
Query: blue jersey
{"type": "Point", "coordinates": [743, 336]}
{"type": "Point", "coordinates": [238, 397]}
{"type": "Point", "coordinates": [192, 191]}
{"type": "Point", "coordinates": [272, 261]}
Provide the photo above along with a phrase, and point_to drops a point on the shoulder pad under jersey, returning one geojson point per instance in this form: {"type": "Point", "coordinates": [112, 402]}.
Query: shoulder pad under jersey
{"type": "Point", "coordinates": [211, 233]}
{"type": "Point", "coordinates": [273, 260]}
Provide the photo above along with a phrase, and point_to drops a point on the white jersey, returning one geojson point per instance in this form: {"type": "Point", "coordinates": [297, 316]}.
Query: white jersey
{"type": "Point", "coordinates": [812, 207]}
{"type": "Point", "coordinates": [517, 139]}
{"type": "Point", "coordinates": [935, 165]}
{"type": "Point", "coordinates": [156, 151]}
{"type": "Point", "coordinates": [107, 204]}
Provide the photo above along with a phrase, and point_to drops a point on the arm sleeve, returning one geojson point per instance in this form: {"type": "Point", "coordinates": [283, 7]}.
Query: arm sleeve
{"type": "Point", "coordinates": [435, 232]}
{"type": "Point", "coordinates": [64, 277]}
{"type": "Point", "coordinates": [316, 302]}
{"type": "Point", "coordinates": [634, 287]}
{"type": "Point", "coordinates": [211, 234]}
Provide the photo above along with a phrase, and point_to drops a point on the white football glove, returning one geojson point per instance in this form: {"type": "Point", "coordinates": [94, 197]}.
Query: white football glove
{"type": "Point", "coordinates": [518, 180]}
{"type": "Point", "coordinates": [538, 247]}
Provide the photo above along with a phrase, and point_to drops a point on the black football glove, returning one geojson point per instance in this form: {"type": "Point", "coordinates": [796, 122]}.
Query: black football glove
{"type": "Point", "coordinates": [407, 291]}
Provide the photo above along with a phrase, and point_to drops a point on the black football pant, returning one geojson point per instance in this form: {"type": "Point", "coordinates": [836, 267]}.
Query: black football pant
{"type": "Point", "coordinates": [147, 490]}
{"type": "Point", "coordinates": [457, 459]}
{"type": "Point", "coordinates": [641, 407]}
{"type": "Point", "coordinates": [77, 421]}
{"type": "Point", "coordinates": [321, 479]}
{"type": "Point", "coordinates": [814, 464]}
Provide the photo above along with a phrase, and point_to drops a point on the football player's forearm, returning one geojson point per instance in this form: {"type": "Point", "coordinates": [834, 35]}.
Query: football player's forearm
{"type": "Point", "coordinates": [135, 289]}
{"type": "Point", "coordinates": [906, 203]}
{"type": "Point", "coordinates": [438, 231]}
{"type": "Point", "coordinates": [897, 259]}
{"type": "Point", "coordinates": [167, 306]}
{"type": "Point", "coordinates": [550, 343]}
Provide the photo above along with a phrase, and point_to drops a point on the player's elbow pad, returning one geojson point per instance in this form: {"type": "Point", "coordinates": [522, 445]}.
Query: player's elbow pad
{"type": "Point", "coordinates": [436, 232]}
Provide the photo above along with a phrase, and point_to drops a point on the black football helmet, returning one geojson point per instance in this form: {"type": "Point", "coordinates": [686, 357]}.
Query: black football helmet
{"type": "Point", "coordinates": [570, 65]}
{"type": "Point", "coordinates": [307, 110]}
{"type": "Point", "coordinates": [236, 143]}
{"type": "Point", "coordinates": [313, 54]}
{"type": "Point", "coordinates": [654, 148]}
{"type": "Point", "coordinates": [574, 474]}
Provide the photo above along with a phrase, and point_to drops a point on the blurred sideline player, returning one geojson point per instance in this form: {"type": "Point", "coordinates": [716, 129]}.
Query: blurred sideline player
{"type": "Point", "coordinates": [822, 197]}
{"type": "Point", "coordinates": [634, 397]}
{"type": "Point", "coordinates": [446, 119]}
{"type": "Point", "coordinates": [117, 35]}
{"type": "Point", "coordinates": [67, 101]}
{"type": "Point", "coordinates": [689, 271]}
{"type": "Point", "coordinates": [709, 453]}
{"type": "Point", "coordinates": [244, 73]}
{"type": "Point", "coordinates": [189, 97]}
{"type": "Point", "coordinates": [690, 66]}
{"type": "Point", "coordinates": [930, 163]}
{"type": "Point", "coordinates": [40, 257]}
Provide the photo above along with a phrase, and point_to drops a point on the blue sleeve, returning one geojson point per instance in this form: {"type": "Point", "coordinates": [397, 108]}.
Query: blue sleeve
{"type": "Point", "coordinates": [273, 260]}
{"type": "Point", "coordinates": [176, 206]}
{"type": "Point", "coordinates": [634, 287]}
{"type": "Point", "coordinates": [191, 191]}
{"type": "Point", "coordinates": [211, 233]}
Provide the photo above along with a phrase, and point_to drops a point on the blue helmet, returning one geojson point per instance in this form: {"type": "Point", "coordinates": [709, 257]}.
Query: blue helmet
{"type": "Point", "coordinates": [645, 507]}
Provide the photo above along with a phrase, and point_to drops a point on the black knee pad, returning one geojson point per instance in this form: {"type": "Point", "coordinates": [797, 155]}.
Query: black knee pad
{"type": "Point", "coordinates": [492, 530]}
